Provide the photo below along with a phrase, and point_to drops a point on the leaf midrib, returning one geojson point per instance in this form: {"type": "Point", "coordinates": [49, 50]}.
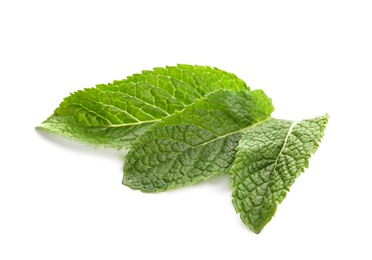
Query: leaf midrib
{"type": "Point", "coordinates": [235, 132]}
{"type": "Point", "coordinates": [276, 161]}
{"type": "Point", "coordinates": [277, 158]}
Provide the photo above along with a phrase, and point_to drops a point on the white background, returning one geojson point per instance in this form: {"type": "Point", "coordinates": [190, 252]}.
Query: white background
{"type": "Point", "coordinates": [63, 200]}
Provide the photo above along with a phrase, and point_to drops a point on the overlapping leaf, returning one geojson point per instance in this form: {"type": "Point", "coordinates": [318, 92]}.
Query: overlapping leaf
{"type": "Point", "coordinates": [195, 143]}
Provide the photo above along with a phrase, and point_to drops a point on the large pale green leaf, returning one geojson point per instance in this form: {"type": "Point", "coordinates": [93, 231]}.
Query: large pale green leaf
{"type": "Point", "coordinates": [195, 143]}
{"type": "Point", "coordinates": [102, 115]}
{"type": "Point", "coordinates": [270, 156]}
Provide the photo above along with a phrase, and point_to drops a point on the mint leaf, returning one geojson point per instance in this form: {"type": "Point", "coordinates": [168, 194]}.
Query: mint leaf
{"type": "Point", "coordinates": [270, 156]}
{"type": "Point", "coordinates": [102, 115]}
{"type": "Point", "coordinates": [196, 143]}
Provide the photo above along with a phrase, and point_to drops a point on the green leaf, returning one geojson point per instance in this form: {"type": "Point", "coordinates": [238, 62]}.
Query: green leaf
{"type": "Point", "coordinates": [102, 115]}
{"type": "Point", "coordinates": [270, 156]}
{"type": "Point", "coordinates": [196, 143]}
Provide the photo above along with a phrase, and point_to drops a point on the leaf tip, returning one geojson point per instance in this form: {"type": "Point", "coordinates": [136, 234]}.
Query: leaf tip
{"type": "Point", "coordinates": [257, 231]}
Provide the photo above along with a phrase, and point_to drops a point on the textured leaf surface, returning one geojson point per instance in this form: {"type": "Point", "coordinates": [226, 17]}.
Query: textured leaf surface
{"type": "Point", "coordinates": [270, 156]}
{"type": "Point", "coordinates": [116, 137]}
{"type": "Point", "coordinates": [100, 115]}
{"type": "Point", "coordinates": [195, 143]}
